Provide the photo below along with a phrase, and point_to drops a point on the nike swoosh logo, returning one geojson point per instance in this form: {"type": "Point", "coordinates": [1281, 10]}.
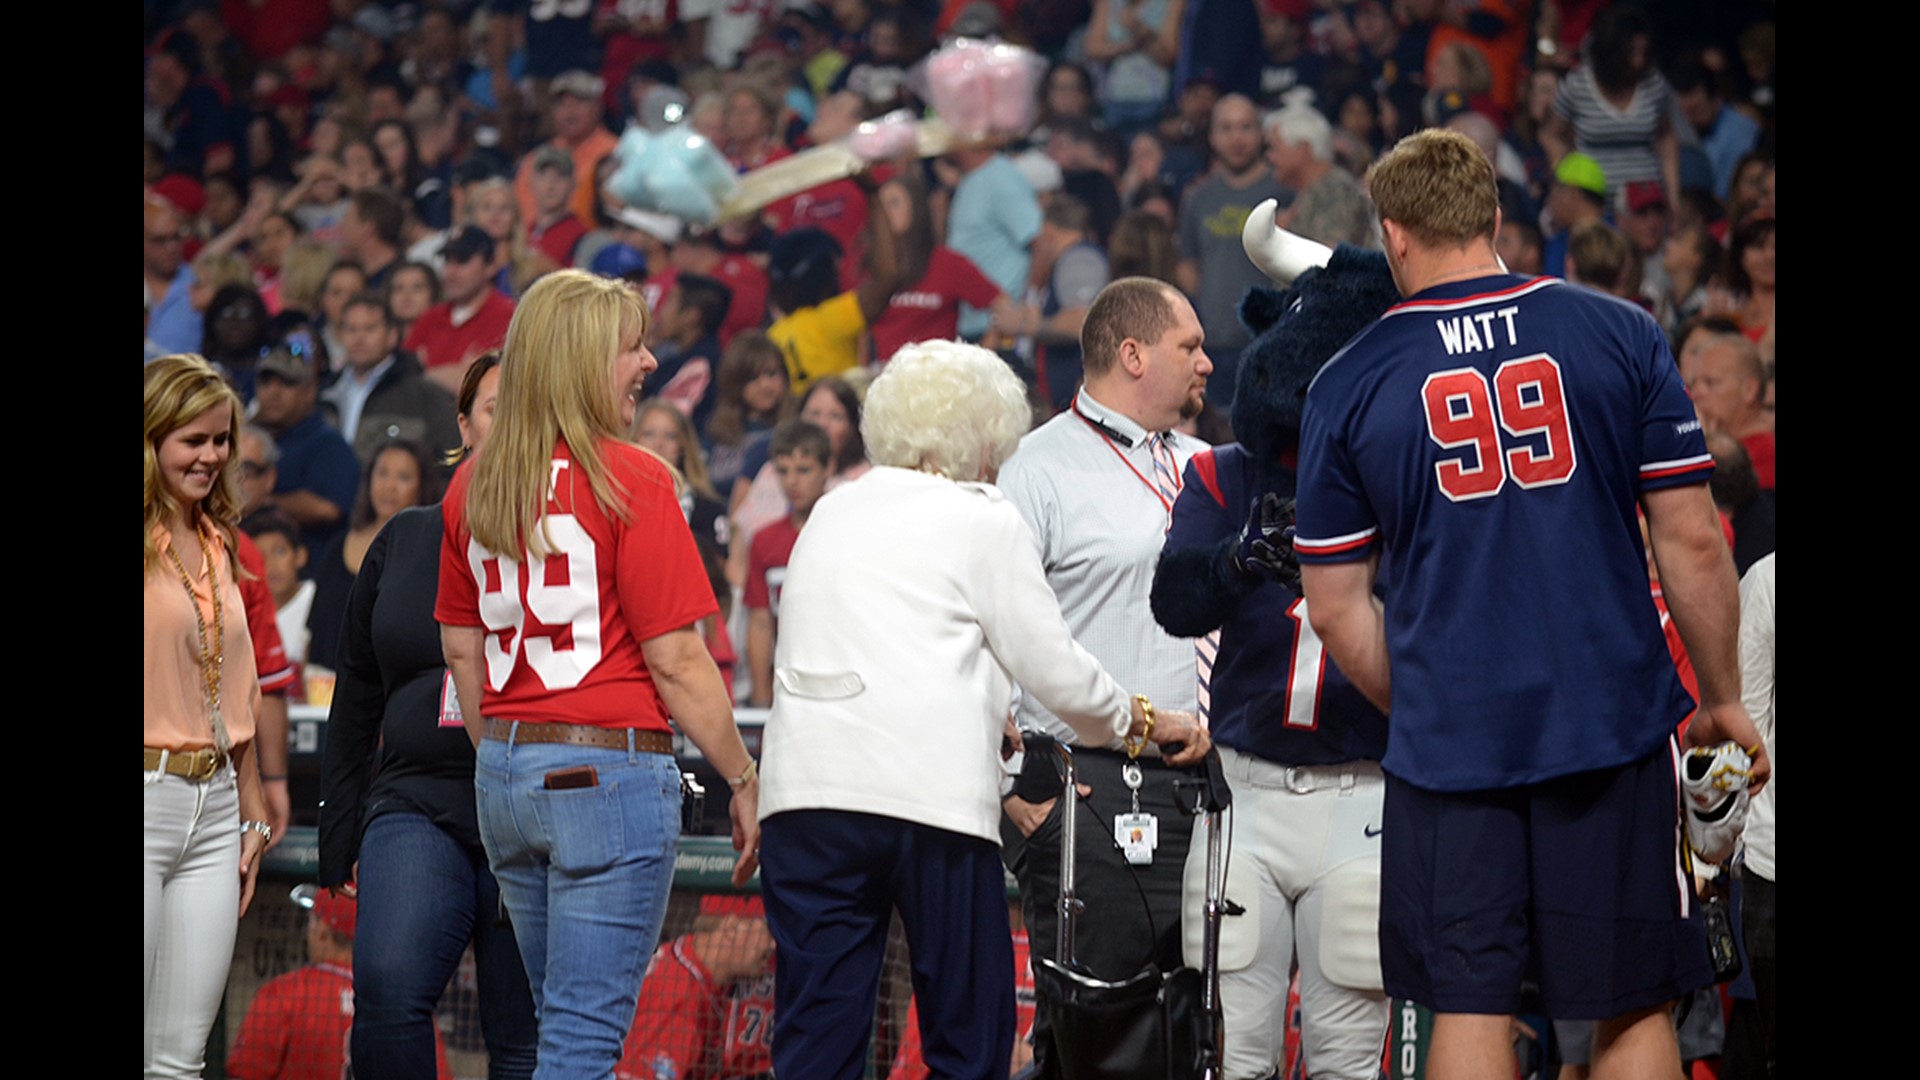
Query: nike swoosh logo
{"type": "Point", "coordinates": [1371, 831]}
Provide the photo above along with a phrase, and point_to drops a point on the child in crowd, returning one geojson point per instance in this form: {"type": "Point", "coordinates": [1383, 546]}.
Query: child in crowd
{"type": "Point", "coordinates": [278, 539]}
{"type": "Point", "coordinates": [752, 385]}
{"type": "Point", "coordinates": [687, 344]}
{"type": "Point", "coordinates": [800, 452]}
{"type": "Point", "coordinates": [554, 230]}
{"type": "Point", "coordinates": [319, 201]}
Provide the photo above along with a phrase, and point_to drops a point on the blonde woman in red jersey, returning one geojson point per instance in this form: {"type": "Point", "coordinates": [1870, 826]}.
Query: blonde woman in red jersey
{"type": "Point", "coordinates": [569, 594]}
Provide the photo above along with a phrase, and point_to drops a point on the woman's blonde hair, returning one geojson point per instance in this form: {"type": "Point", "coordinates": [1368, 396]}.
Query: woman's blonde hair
{"type": "Point", "coordinates": [219, 270]}
{"type": "Point", "coordinates": [525, 264]}
{"type": "Point", "coordinates": [178, 389]}
{"type": "Point", "coordinates": [692, 466]}
{"type": "Point", "coordinates": [303, 273]}
{"type": "Point", "coordinates": [556, 373]}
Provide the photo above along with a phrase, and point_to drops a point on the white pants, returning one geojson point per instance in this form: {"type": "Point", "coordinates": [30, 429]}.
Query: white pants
{"type": "Point", "coordinates": [1302, 847]}
{"type": "Point", "coordinates": [192, 894]}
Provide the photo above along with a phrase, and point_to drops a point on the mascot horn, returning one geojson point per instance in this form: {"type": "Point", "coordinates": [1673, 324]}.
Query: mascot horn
{"type": "Point", "coordinates": [1323, 298]}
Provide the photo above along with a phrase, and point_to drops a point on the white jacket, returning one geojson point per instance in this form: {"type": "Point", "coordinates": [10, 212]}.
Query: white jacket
{"type": "Point", "coordinates": [911, 606]}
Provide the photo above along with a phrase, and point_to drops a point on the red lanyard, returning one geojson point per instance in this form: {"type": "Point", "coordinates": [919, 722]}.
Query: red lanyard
{"type": "Point", "coordinates": [1108, 441]}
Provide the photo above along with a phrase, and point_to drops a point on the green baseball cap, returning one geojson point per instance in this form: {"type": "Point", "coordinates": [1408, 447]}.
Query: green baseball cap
{"type": "Point", "coordinates": [1581, 171]}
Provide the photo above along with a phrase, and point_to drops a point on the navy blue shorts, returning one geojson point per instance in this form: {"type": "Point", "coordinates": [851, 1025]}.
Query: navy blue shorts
{"type": "Point", "coordinates": [1576, 883]}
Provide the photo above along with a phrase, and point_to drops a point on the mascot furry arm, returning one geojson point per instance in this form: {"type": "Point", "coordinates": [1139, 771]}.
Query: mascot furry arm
{"type": "Point", "coordinates": [1324, 297]}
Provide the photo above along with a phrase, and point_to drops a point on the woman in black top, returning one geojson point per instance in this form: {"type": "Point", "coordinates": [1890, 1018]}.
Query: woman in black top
{"type": "Point", "coordinates": [397, 825]}
{"type": "Point", "coordinates": [400, 474]}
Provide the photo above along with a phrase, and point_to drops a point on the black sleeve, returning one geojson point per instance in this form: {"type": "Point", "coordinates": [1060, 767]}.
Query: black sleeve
{"type": "Point", "coordinates": [1195, 587]}
{"type": "Point", "coordinates": [353, 725]}
{"type": "Point", "coordinates": [1196, 590]}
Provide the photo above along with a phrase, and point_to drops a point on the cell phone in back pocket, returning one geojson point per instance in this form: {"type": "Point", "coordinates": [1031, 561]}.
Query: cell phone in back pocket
{"type": "Point", "coordinates": [583, 776]}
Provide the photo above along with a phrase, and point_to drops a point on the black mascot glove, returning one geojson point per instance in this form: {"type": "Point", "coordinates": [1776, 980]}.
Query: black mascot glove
{"type": "Point", "coordinates": [1266, 543]}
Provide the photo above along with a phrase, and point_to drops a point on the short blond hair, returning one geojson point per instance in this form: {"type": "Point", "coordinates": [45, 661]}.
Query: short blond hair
{"type": "Point", "coordinates": [1600, 255]}
{"type": "Point", "coordinates": [1438, 186]}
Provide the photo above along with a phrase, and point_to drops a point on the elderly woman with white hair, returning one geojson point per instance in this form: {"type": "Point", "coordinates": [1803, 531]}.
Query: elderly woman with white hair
{"type": "Point", "coordinates": [914, 600]}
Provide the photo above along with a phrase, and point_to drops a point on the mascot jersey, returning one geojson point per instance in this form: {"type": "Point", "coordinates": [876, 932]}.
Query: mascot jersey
{"type": "Point", "coordinates": [1489, 439]}
{"type": "Point", "coordinates": [1276, 692]}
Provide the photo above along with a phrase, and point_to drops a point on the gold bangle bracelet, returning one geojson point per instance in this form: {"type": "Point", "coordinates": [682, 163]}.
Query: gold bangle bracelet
{"type": "Point", "coordinates": [1135, 744]}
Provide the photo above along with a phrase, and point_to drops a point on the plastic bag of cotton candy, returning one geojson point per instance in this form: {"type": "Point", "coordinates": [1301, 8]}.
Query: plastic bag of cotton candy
{"type": "Point", "coordinates": [982, 89]}
{"type": "Point", "coordinates": [676, 171]}
{"type": "Point", "coordinates": [894, 135]}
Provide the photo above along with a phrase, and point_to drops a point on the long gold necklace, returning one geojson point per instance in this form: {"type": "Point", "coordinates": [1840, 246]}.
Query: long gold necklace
{"type": "Point", "coordinates": [212, 654]}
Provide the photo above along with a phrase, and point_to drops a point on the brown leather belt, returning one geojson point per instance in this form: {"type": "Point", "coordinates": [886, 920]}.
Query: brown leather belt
{"type": "Point", "coordinates": [646, 742]}
{"type": "Point", "coordinates": [198, 766]}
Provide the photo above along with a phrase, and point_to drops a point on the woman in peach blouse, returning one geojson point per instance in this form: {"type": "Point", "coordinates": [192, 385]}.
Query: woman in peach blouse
{"type": "Point", "coordinates": [205, 813]}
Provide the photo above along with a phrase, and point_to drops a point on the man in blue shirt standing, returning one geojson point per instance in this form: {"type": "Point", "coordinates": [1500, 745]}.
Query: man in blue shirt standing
{"type": "Point", "coordinates": [992, 220]}
{"type": "Point", "coordinates": [1487, 445]}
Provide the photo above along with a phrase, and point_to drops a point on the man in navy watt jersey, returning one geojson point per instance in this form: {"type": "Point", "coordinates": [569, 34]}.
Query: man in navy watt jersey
{"type": "Point", "coordinates": [1489, 439]}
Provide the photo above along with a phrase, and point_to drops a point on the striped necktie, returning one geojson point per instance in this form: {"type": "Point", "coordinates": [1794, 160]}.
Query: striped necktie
{"type": "Point", "coordinates": [1166, 477]}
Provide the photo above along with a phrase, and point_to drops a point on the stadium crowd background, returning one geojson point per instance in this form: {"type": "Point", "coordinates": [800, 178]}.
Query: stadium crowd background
{"type": "Point", "coordinates": [344, 197]}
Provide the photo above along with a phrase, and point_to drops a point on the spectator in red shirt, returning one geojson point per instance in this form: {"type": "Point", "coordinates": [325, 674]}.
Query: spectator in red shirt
{"type": "Point", "coordinates": [298, 1024]}
{"type": "Point", "coordinates": [554, 229]}
{"type": "Point", "coordinates": [704, 251]}
{"type": "Point", "coordinates": [706, 1007]}
{"type": "Point", "coordinates": [1728, 382]}
{"type": "Point", "coordinates": [800, 453]}
{"type": "Point", "coordinates": [942, 278]}
{"type": "Point", "coordinates": [472, 319]}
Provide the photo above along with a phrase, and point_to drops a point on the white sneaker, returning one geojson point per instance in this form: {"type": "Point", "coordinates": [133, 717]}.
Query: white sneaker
{"type": "Point", "coordinates": [1715, 780]}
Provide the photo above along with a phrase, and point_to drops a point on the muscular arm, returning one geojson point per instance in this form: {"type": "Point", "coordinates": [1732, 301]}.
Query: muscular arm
{"type": "Point", "coordinates": [1703, 594]}
{"type": "Point", "coordinates": [461, 647]}
{"type": "Point", "coordinates": [690, 685]}
{"type": "Point", "coordinates": [1349, 619]}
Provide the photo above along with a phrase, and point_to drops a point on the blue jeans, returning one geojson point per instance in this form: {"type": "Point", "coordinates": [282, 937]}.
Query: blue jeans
{"type": "Point", "coordinates": [585, 873]}
{"type": "Point", "coordinates": [423, 897]}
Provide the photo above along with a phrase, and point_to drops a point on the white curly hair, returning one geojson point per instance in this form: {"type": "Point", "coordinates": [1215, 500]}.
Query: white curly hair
{"type": "Point", "coordinates": [947, 408]}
